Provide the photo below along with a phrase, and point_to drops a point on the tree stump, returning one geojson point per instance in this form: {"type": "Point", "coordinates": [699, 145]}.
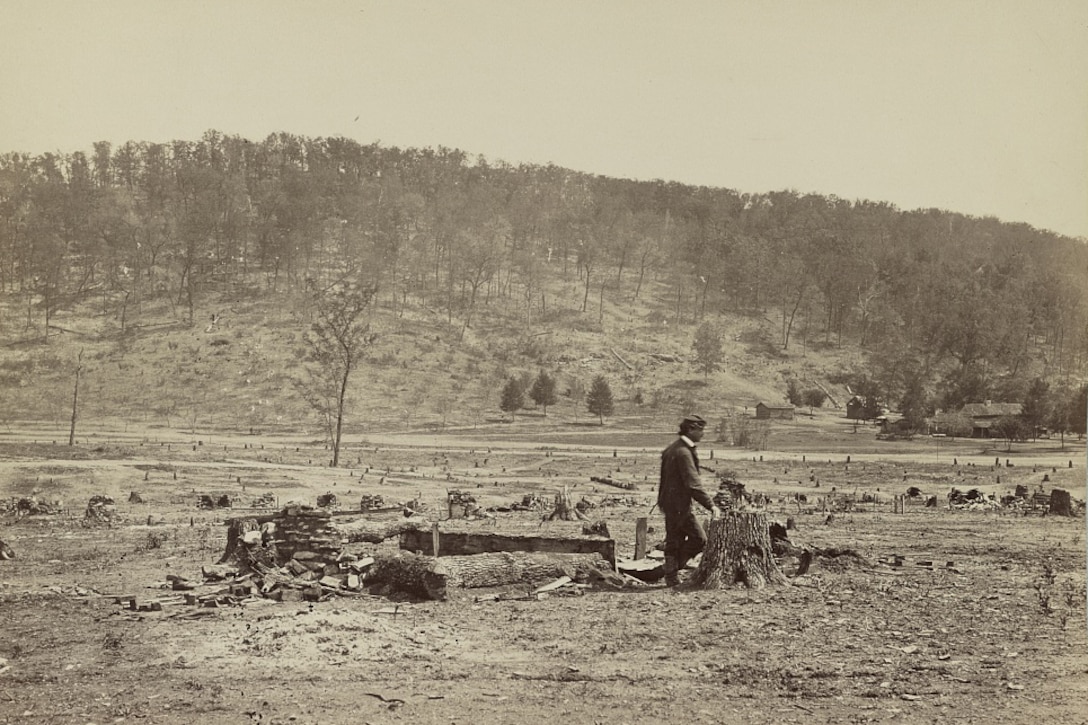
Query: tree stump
{"type": "Point", "coordinates": [564, 508]}
{"type": "Point", "coordinates": [1060, 502]}
{"type": "Point", "coordinates": [738, 551]}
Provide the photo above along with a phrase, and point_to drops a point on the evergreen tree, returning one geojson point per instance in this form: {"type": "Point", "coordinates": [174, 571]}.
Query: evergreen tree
{"type": "Point", "coordinates": [1036, 408]}
{"type": "Point", "coordinates": [513, 397]}
{"type": "Point", "coordinates": [708, 348]}
{"type": "Point", "coordinates": [913, 405]}
{"type": "Point", "coordinates": [1078, 406]}
{"type": "Point", "coordinates": [794, 394]}
{"type": "Point", "coordinates": [599, 398]}
{"type": "Point", "coordinates": [543, 391]}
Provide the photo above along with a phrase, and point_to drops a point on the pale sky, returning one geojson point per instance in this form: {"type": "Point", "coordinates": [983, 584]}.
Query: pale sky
{"type": "Point", "coordinates": [975, 107]}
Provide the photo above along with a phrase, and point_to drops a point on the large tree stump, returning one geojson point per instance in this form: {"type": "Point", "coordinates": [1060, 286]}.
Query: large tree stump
{"type": "Point", "coordinates": [738, 551]}
{"type": "Point", "coordinates": [1061, 504]}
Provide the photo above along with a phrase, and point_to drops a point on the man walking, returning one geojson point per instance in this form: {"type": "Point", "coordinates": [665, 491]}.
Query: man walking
{"type": "Point", "coordinates": [680, 483]}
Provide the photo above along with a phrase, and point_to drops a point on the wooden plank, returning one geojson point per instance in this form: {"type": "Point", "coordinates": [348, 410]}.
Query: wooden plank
{"type": "Point", "coordinates": [642, 529]}
{"type": "Point", "coordinates": [460, 543]}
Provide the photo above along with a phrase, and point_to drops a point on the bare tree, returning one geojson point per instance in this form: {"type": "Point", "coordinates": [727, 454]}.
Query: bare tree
{"type": "Point", "coordinates": [336, 343]}
{"type": "Point", "coordinates": [75, 399]}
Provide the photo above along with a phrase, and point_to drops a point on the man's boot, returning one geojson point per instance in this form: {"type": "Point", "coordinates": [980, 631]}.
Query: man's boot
{"type": "Point", "coordinates": [671, 567]}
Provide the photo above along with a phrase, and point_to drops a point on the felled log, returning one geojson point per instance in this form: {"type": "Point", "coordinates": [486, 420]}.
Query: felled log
{"type": "Point", "coordinates": [434, 578]}
{"type": "Point", "coordinates": [372, 532]}
{"type": "Point", "coordinates": [738, 551]}
{"type": "Point", "coordinates": [617, 356]}
{"type": "Point", "coordinates": [460, 543]}
{"type": "Point", "coordinates": [626, 486]}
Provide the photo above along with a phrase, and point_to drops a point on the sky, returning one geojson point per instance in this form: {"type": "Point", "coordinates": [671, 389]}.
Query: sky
{"type": "Point", "coordinates": [975, 107]}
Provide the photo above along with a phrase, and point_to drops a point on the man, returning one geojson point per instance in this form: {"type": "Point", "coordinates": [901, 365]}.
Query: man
{"type": "Point", "coordinates": [680, 483]}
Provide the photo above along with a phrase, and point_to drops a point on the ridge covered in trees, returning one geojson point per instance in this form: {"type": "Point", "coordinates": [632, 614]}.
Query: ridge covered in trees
{"type": "Point", "coordinates": [967, 308]}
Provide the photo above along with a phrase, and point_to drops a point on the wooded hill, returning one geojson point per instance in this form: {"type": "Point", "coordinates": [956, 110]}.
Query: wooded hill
{"type": "Point", "coordinates": [186, 272]}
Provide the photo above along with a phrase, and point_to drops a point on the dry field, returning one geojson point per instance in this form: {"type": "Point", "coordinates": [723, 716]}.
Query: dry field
{"type": "Point", "coordinates": [995, 631]}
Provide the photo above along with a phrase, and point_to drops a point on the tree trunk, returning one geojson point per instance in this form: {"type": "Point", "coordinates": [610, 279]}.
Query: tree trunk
{"type": "Point", "coordinates": [434, 578]}
{"type": "Point", "coordinates": [738, 551]}
{"type": "Point", "coordinates": [564, 506]}
{"type": "Point", "coordinates": [75, 400]}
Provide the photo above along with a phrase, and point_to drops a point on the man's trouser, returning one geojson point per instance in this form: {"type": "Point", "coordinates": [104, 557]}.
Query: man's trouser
{"type": "Point", "coordinates": [684, 538]}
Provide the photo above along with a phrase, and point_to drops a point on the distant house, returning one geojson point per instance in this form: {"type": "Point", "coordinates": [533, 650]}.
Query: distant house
{"type": "Point", "coordinates": [779, 412]}
{"type": "Point", "coordinates": [855, 408]}
{"type": "Point", "coordinates": [983, 415]}
{"type": "Point", "coordinates": [893, 425]}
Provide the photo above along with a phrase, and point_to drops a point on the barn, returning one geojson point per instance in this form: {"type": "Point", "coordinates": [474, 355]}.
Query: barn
{"type": "Point", "coordinates": [777, 412]}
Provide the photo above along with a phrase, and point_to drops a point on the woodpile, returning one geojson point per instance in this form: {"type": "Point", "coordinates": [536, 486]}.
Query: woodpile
{"type": "Point", "coordinates": [371, 502]}
{"type": "Point", "coordinates": [297, 532]}
{"type": "Point", "coordinates": [460, 504]}
{"type": "Point", "coordinates": [301, 549]}
{"type": "Point", "coordinates": [100, 510]}
{"type": "Point", "coordinates": [207, 502]}
{"type": "Point", "coordinates": [33, 506]}
{"type": "Point", "coordinates": [266, 500]}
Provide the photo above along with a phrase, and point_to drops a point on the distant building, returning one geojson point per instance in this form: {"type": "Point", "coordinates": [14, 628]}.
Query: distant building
{"type": "Point", "coordinates": [855, 408]}
{"type": "Point", "coordinates": [779, 412]}
{"type": "Point", "coordinates": [983, 415]}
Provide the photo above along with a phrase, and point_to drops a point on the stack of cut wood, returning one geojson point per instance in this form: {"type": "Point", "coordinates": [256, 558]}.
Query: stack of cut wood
{"type": "Point", "coordinates": [529, 502]}
{"type": "Point", "coordinates": [297, 532]}
{"type": "Point", "coordinates": [460, 504]}
{"type": "Point", "coordinates": [100, 509]}
{"type": "Point", "coordinates": [302, 549]}
{"type": "Point", "coordinates": [266, 500]}
{"type": "Point", "coordinates": [371, 502]}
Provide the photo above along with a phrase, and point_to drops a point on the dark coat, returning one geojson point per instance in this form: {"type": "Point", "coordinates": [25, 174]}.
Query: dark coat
{"type": "Point", "coordinates": [680, 482]}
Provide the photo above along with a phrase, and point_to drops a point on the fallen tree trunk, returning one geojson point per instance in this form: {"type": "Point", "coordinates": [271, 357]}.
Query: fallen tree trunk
{"type": "Point", "coordinates": [456, 543]}
{"type": "Point", "coordinates": [617, 356]}
{"type": "Point", "coordinates": [738, 551]}
{"type": "Point", "coordinates": [374, 532]}
{"type": "Point", "coordinates": [432, 577]}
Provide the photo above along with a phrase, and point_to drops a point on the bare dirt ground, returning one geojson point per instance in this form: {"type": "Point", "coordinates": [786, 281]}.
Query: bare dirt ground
{"type": "Point", "coordinates": [995, 631]}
